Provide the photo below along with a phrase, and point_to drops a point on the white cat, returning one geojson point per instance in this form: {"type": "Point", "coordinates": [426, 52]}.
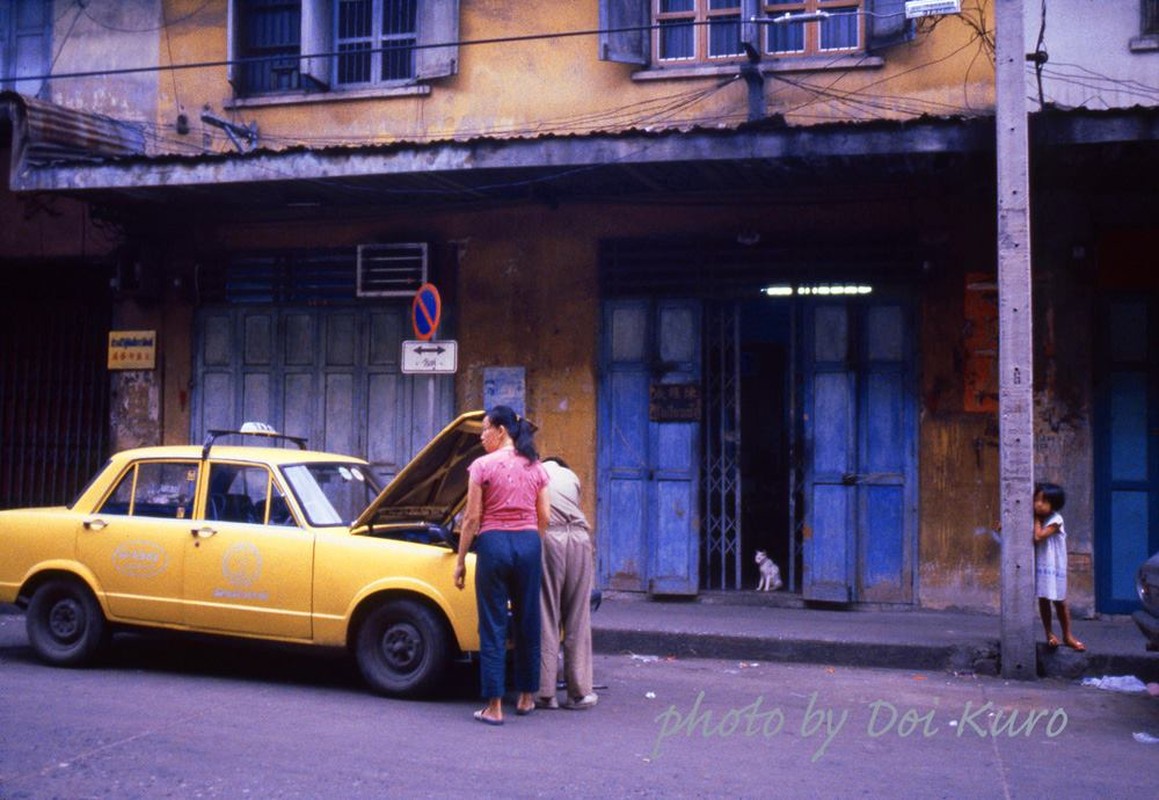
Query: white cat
{"type": "Point", "coordinates": [770, 573]}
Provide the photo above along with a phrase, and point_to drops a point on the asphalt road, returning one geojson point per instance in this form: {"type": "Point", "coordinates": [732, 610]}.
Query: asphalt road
{"type": "Point", "coordinates": [179, 718]}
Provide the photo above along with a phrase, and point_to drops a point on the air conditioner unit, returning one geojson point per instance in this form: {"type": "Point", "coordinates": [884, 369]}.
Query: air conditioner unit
{"type": "Point", "coordinates": [930, 8]}
{"type": "Point", "coordinates": [391, 270]}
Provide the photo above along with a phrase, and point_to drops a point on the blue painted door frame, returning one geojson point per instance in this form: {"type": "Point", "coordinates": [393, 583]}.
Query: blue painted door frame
{"type": "Point", "coordinates": [648, 504]}
{"type": "Point", "coordinates": [1126, 451]}
{"type": "Point", "coordinates": [860, 438]}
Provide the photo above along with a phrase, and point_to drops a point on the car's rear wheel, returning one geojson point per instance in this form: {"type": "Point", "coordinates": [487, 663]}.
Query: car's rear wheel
{"type": "Point", "coordinates": [402, 648]}
{"type": "Point", "coordinates": [65, 623]}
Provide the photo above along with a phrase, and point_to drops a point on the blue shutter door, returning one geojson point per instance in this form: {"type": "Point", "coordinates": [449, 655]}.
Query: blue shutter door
{"type": "Point", "coordinates": [676, 462]}
{"type": "Point", "coordinates": [648, 502]}
{"type": "Point", "coordinates": [1126, 490]}
{"type": "Point", "coordinates": [624, 447]}
{"type": "Point", "coordinates": [829, 402]}
{"type": "Point", "coordinates": [860, 449]}
{"type": "Point", "coordinates": [887, 475]}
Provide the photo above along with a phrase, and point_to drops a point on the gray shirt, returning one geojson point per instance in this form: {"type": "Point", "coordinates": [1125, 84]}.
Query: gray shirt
{"type": "Point", "coordinates": [565, 498]}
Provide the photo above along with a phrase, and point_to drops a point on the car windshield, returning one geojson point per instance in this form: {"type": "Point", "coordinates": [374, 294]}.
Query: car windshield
{"type": "Point", "coordinates": [332, 494]}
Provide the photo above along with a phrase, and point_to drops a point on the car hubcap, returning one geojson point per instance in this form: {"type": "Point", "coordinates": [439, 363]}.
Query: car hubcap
{"type": "Point", "coordinates": [402, 646]}
{"type": "Point", "coordinates": [66, 620]}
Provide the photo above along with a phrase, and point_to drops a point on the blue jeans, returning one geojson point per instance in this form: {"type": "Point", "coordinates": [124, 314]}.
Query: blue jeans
{"type": "Point", "coordinates": [508, 565]}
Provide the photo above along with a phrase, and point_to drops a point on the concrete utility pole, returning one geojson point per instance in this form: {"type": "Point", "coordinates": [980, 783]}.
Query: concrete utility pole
{"type": "Point", "coordinates": [1015, 346]}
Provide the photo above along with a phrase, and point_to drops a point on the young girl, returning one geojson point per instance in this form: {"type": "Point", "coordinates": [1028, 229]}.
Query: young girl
{"type": "Point", "coordinates": [1050, 563]}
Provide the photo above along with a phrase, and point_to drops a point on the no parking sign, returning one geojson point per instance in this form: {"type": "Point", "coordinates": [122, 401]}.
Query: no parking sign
{"type": "Point", "coordinates": [426, 309]}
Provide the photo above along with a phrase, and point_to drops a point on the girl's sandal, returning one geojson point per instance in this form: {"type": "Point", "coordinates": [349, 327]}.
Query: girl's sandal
{"type": "Point", "coordinates": [1076, 645]}
{"type": "Point", "coordinates": [1052, 642]}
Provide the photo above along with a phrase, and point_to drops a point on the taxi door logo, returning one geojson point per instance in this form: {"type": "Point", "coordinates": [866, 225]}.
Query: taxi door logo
{"type": "Point", "coordinates": [241, 565]}
{"type": "Point", "coordinates": [140, 559]}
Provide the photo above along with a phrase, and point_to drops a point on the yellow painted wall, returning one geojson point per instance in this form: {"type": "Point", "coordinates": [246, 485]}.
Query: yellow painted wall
{"type": "Point", "coordinates": [557, 84]}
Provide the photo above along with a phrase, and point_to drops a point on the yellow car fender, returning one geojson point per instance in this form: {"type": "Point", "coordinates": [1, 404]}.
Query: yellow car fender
{"type": "Point", "coordinates": [457, 609]}
{"type": "Point", "coordinates": [46, 570]}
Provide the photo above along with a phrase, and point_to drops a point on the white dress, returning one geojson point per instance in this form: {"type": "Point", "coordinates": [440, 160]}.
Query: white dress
{"type": "Point", "coordinates": [1050, 562]}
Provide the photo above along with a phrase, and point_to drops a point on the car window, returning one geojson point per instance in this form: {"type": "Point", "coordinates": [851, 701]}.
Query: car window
{"type": "Point", "coordinates": [241, 493]}
{"type": "Point", "coordinates": [154, 489]}
{"type": "Point", "coordinates": [331, 494]}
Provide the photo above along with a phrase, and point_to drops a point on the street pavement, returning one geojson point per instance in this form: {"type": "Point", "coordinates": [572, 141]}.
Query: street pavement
{"type": "Point", "coordinates": [778, 627]}
{"type": "Point", "coordinates": [191, 718]}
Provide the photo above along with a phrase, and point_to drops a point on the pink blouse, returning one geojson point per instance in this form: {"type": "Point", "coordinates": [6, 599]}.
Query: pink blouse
{"type": "Point", "coordinates": [511, 487]}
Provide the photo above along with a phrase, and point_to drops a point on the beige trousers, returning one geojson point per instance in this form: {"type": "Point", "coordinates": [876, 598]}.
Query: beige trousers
{"type": "Point", "coordinates": [565, 606]}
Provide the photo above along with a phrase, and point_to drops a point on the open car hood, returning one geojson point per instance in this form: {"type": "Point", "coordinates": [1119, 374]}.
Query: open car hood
{"type": "Point", "coordinates": [432, 488]}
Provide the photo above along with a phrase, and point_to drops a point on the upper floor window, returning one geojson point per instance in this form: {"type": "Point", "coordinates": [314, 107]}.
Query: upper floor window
{"type": "Point", "coordinates": [376, 40]}
{"type": "Point", "coordinates": [329, 45]}
{"type": "Point", "coordinates": [684, 35]}
{"type": "Point", "coordinates": [697, 30]}
{"type": "Point", "coordinates": [1148, 39]}
{"type": "Point", "coordinates": [839, 32]}
{"type": "Point", "coordinates": [25, 28]}
{"type": "Point", "coordinates": [710, 30]}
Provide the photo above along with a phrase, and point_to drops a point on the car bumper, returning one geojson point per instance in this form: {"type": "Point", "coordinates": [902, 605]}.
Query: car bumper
{"type": "Point", "coordinates": [1149, 625]}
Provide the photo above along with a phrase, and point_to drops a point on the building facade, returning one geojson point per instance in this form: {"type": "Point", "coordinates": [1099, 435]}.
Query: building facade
{"type": "Point", "coordinates": [738, 260]}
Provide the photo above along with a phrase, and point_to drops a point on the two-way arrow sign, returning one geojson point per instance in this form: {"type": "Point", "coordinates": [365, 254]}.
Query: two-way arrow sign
{"type": "Point", "coordinates": [432, 357]}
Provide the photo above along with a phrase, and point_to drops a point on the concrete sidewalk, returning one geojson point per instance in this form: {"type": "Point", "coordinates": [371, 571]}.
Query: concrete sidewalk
{"type": "Point", "coordinates": [750, 627]}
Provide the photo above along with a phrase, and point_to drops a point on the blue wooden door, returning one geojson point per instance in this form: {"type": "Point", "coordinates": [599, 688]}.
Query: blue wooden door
{"type": "Point", "coordinates": [860, 452]}
{"type": "Point", "coordinates": [1127, 466]}
{"type": "Point", "coordinates": [648, 501]}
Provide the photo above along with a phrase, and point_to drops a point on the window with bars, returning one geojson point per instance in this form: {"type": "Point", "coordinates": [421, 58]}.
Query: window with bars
{"type": "Point", "coordinates": [706, 31]}
{"type": "Point", "coordinates": [295, 46]}
{"type": "Point", "coordinates": [839, 32]}
{"type": "Point", "coordinates": [697, 30]}
{"type": "Point", "coordinates": [375, 40]}
{"type": "Point", "coordinates": [679, 35]}
{"type": "Point", "coordinates": [271, 41]}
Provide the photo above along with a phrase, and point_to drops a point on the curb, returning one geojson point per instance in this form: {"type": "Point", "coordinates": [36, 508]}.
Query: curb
{"type": "Point", "coordinates": [978, 657]}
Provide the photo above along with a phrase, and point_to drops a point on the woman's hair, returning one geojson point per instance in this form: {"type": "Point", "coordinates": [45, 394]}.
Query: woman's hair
{"type": "Point", "coordinates": [519, 429]}
{"type": "Point", "coordinates": [1051, 493]}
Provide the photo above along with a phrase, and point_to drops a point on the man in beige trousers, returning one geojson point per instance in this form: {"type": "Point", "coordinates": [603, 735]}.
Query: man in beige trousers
{"type": "Point", "coordinates": [565, 599]}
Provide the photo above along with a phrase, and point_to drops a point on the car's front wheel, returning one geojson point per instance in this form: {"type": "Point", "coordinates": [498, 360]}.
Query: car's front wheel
{"type": "Point", "coordinates": [402, 648]}
{"type": "Point", "coordinates": [65, 623]}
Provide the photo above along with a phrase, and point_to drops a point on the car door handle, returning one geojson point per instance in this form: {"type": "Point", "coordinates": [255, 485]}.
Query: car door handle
{"type": "Point", "coordinates": [97, 524]}
{"type": "Point", "coordinates": [204, 532]}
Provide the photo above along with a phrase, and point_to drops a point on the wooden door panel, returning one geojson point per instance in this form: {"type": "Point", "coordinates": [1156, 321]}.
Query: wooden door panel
{"type": "Point", "coordinates": [826, 544]}
{"type": "Point", "coordinates": [860, 453]}
{"type": "Point", "coordinates": [648, 499]}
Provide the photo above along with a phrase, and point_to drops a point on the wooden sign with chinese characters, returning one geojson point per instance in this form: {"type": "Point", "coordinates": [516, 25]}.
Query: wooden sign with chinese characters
{"type": "Point", "coordinates": [132, 349]}
{"type": "Point", "coordinates": [674, 402]}
{"type": "Point", "coordinates": [980, 344]}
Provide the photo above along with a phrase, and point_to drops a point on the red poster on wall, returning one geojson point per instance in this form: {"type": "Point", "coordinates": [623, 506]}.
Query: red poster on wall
{"type": "Point", "coordinates": [980, 343]}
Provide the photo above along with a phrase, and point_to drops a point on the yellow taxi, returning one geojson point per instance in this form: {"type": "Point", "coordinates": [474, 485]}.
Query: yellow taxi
{"type": "Point", "coordinates": [271, 542]}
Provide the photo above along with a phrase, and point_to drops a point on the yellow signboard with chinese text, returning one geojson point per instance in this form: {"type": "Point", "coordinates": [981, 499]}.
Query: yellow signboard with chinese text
{"type": "Point", "coordinates": [132, 349]}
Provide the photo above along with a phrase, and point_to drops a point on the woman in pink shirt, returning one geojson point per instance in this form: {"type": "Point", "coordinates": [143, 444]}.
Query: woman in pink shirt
{"type": "Point", "coordinates": [508, 506]}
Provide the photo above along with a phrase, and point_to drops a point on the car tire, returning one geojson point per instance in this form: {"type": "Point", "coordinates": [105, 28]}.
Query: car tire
{"type": "Point", "coordinates": [403, 648]}
{"type": "Point", "coordinates": [65, 624]}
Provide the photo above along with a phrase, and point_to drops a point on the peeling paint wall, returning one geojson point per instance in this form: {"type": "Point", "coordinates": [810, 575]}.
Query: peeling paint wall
{"type": "Point", "coordinates": [123, 38]}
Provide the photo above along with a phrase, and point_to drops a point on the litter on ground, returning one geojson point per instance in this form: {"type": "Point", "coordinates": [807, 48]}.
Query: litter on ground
{"type": "Point", "coordinates": [1117, 683]}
